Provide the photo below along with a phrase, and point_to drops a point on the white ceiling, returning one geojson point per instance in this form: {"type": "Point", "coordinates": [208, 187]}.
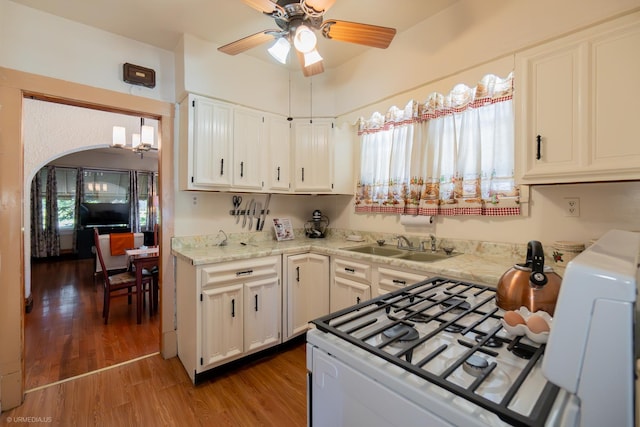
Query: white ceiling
{"type": "Point", "coordinates": [162, 22]}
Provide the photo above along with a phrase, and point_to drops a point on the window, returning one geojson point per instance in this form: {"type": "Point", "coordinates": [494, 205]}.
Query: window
{"type": "Point", "coordinates": [452, 155]}
{"type": "Point", "coordinates": [65, 196]}
{"type": "Point", "coordinates": [146, 199]}
{"type": "Point", "coordinates": [101, 186]}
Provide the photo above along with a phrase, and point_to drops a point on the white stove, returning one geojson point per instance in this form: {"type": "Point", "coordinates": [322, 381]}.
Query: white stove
{"type": "Point", "coordinates": [436, 353]}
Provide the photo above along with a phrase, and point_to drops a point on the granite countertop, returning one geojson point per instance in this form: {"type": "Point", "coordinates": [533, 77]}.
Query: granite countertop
{"type": "Point", "coordinates": [477, 262]}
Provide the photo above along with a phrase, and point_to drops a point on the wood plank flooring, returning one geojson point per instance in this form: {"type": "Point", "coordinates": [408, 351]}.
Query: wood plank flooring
{"type": "Point", "coordinates": [157, 392]}
{"type": "Point", "coordinates": [65, 335]}
{"type": "Point", "coordinates": [65, 338]}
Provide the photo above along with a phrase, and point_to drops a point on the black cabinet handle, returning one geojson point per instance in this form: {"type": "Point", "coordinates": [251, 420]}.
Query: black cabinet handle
{"type": "Point", "coordinates": [221, 167]}
{"type": "Point", "coordinates": [357, 300]}
{"type": "Point", "coordinates": [244, 273]}
{"type": "Point", "coordinates": [400, 282]}
{"type": "Point", "coordinates": [233, 308]}
{"type": "Point", "coordinates": [297, 274]}
{"type": "Point", "coordinates": [538, 141]}
{"type": "Point", "coordinates": [256, 302]}
{"type": "Point", "coordinates": [349, 270]}
{"type": "Point", "coordinates": [278, 178]}
{"type": "Point", "coordinates": [241, 169]}
{"type": "Point", "coordinates": [302, 174]}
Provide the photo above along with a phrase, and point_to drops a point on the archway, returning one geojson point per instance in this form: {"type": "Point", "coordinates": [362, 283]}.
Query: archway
{"type": "Point", "coordinates": [64, 334]}
{"type": "Point", "coordinates": [14, 86]}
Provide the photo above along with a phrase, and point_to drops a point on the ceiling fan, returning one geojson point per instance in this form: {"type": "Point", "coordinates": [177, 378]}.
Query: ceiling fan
{"type": "Point", "coordinates": [297, 20]}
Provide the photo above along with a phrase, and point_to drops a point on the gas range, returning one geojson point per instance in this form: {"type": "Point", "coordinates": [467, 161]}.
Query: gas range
{"type": "Point", "coordinates": [449, 333]}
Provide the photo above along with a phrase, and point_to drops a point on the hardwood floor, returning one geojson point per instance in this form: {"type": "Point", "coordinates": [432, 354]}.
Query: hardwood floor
{"type": "Point", "coordinates": [65, 335]}
{"type": "Point", "coordinates": [153, 391]}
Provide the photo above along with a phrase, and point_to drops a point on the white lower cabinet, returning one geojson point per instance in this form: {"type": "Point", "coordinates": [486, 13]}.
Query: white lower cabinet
{"type": "Point", "coordinates": [233, 310]}
{"type": "Point", "coordinates": [222, 323]}
{"type": "Point", "coordinates": [307, 291]}
{"type": "Point", "coordinates": [350, 283]}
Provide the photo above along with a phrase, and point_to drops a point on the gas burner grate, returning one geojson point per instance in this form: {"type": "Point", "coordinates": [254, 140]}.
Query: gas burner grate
{"type": "Point", "coordinates": [421, 303]}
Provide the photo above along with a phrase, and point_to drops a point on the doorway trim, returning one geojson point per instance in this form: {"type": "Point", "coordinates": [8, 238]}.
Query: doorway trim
{"type": "Point", "coordinates": [14, 86]}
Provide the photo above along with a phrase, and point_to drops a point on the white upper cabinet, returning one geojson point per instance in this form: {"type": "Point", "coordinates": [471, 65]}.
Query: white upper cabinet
{"type": "Point", "coordinates": [205, 159]}
{"type": "Point", "coordinates": [248, 149]}
{"type": "Point", "coordinates": [278, 158]}
{"type": "Point", "coordinates": [313, 156]}
{"type": "Point", "coordinates": [577, 99]}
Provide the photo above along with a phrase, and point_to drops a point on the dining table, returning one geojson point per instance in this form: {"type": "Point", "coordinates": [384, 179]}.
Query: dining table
{"type": "Point", "coordinates": [144, 258]}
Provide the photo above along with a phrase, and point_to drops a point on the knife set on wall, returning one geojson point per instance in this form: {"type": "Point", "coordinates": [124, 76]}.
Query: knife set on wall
{"type": "Point", "coordinates": [253, 210]}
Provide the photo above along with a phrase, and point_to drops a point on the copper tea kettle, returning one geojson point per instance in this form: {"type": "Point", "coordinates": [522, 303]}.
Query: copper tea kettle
{"type": "Point", "coordinates": [532, 284]}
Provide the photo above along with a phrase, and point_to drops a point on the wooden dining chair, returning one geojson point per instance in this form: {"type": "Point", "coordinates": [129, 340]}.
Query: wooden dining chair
{"type": "Point", "coordinates": [116, 284]}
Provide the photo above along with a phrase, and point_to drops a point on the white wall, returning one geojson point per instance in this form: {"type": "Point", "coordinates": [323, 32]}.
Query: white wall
{"type": "Point", "coordinates": [248, 81]}
{"type": "Point", "coordinates": [44, 44]}
{"type": "Point", "coordinates": [468, 33]}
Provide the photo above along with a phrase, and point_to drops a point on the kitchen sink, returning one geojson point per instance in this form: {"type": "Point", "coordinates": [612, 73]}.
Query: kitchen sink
{"type": "Point", "coordinates": [424, 256]}
{"type": "Point", "coordinates": [386, 251]}
{"type": "Point", "coordinates": [376, 250]}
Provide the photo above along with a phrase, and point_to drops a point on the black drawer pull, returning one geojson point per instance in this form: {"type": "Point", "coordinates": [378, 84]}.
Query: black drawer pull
{"type": "Point", "coordinates": [357, 300]}
{"type": "Point", "coordinates": [400, 282]}
{"type": "Point", "coordinates": [350, 270]}
{"type": "Point", "coordinates": [244, 273]}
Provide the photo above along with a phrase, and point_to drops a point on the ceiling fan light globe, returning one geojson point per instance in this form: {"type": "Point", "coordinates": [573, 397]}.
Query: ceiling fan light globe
{"type": "Point", "coordinates": [312, 57]}
{"type": "Point", "coordinates": [304, 39]}
{"type": "Point", "coordinates": [280, 50]}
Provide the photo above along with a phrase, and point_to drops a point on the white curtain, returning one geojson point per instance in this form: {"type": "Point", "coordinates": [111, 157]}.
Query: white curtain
{"type": "Point", "coordinates": [452, 155]}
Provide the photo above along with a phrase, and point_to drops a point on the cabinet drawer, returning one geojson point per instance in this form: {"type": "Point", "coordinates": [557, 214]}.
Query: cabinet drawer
{"type": "Point", "coordinates": [239, 271]}
{"type": "Point", "coordinates": [391, 280]}
{"type": "Point", "coordinates": [352, 270]}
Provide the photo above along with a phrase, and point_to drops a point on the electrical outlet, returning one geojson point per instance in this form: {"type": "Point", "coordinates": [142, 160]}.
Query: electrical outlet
{"type": "Point", "coordinates": [571, 206]}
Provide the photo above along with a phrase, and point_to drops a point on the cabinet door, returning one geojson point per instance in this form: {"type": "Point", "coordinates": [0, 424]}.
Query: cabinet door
{"type": "Point", "coordinates": [279, 154]}
{"type": "Point", "coordinates": [248, 146]}
{"type": "Point", "coordinates": [615, 90]}
{"type": "Point", "coordinates": [307, 290]}
{"type": "Point", "coordinates": [551, 112]}
{"type": "Point", "coordinates": [261, 314]}
{"type": "Point", "coordinates": [212, 142]}
{"type": "Point", "coordinates": [313, 156]}
{"type": "Point", "coordinates": [578, 94]}
{"type": "Point", "coordinates": [346, 292]}
{"type": "Point", "coordinates": [222, 324]}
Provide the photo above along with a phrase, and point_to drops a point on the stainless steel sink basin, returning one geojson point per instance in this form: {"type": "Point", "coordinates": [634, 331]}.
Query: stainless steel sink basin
{"type": "Point", "coordinates": [376, 250]}
{"type": "Point", "coordinates": [399, 253]}
{"type": "Point", "coordinates": [424, 256]}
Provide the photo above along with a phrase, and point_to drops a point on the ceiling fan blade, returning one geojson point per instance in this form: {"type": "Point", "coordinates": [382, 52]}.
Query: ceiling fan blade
{"type": "Point", "coordinates": [248, 42]}
{"type": "Point", "coordinates": [320, 5]}
{"type": "Point", "coordinates": [353, 32]}
{"type": "Point", "coordinates": [265, 6]}
{"type": "Point", "coordinates": [312, 69]}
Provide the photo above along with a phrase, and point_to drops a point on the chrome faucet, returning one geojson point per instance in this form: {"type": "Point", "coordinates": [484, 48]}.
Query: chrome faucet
{"type": "Point", "coordinates": [409, 243]}
{"type": "Point", "coordinates": [433, 242]}
{"type": "Point", "coordinates": [224, 241]}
